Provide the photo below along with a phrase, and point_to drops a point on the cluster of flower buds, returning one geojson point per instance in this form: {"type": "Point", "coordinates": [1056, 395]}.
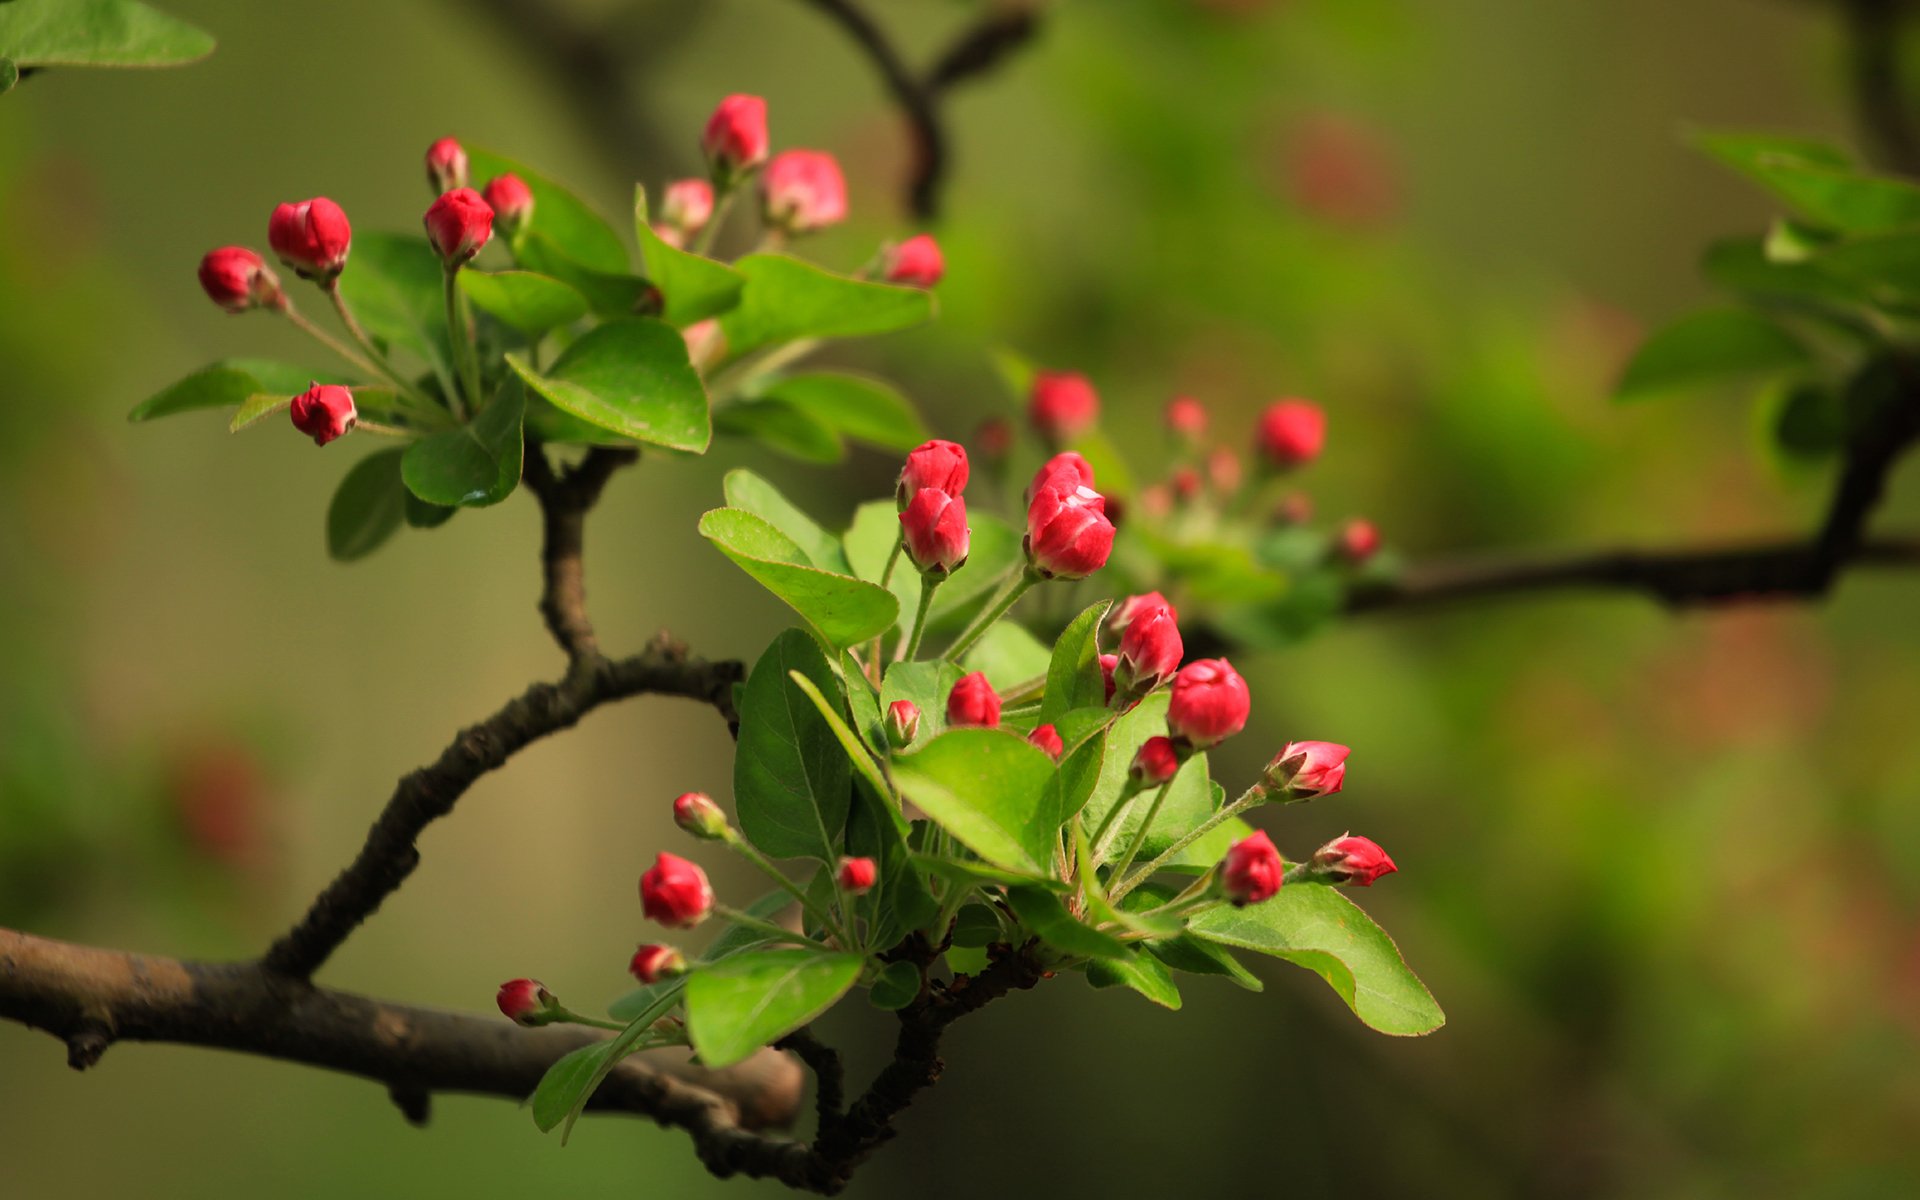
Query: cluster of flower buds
{"type": "Point", "coordinates": [933, 510]}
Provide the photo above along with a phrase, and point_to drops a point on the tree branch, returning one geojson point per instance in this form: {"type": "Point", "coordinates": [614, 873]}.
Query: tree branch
{"type": "Point", "coordinates": [1875, 48]}
{"type": "Point", "coordinates": [565, 500]}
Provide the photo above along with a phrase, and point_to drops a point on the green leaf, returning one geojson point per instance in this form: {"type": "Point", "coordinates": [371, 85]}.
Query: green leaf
{"type": "Point", "coordinates": [567, 1086]}
{"type": "Point", "coordinates": [1741, 264]}
{"type": "Point", "coordinates": [1804, 424]}
{"type": "Point", "coordinates": [608, 293]}
{"type": "Point", "coordinates": [1124, 738]}
{"type": "Point", "coordinates": [977, 925]}
{"type": "Point", "coordinates": [1888, 265]}
{"type": "Point", "coordinates": [897, 986]}
{"type": "Point", "coordinates": [861, 408]}
{"type": "Point", "coordinates": [844, 610]}
{"type": "Point", "coordinates": [630, 377]}
{"type": "Point", "coordinates": [786, 299]}
{"type": "Point", "coordinates": [780, 426]}
{"type": "Point", "coordinates": [901, 899]}
{"type": "Point", "coordinates": [9, 75]}
{"type": "Point", "coordinates": [1073, 671]}
{"type": "Point", "coordinates": [558, 215]}
{"type": "Point", "coordinates": [972, 870]}
{"type": "Point", "coordinates": [396, 286]}
{"type": "Point", "coordinates": [258, 408]}
{"type": "Point", "coordinates": [1707, 346]}
{"type": "Point", "coordinates": [1313, 926]}
{"type": "Point", "coordinates": [736, 1006]}
{"type": "Point", "coordinates": [1073, 783]}
{"type": "Point", "coordinates": [734, 939]}
{"type": "Point", "coordinates": [1818, 181]}
{"type": "Point", "coordinates": [752, 493]}
{"type": "Point", "coordinates": [372, 403]}
{"type": "Point", "coordinates": [926, 685]}
{"type": "Point", "coordinates": [1141, 972]}
{"type": "Point", "coordinates": [229, 382]}
{"type": "Point", "coordinates": [1197, 956]}
{"type": "Point", "coordinates": [367, 507]}
{"type": "Point", "coordinates": [96, 33]}
{"type": "Point", "coordinates": [984, 786]}
{"type": "Point", "coordinates": [1043, 913]}
{"type": "Point", "coordinates": [790, 773]}
{"type": "Point", "coordinates": [475, 465]}
{"type": "Point", "coordinates": [694, 286]}
{"type": "Point", "coordinates": [1009, 656]}
{"type": "Point", "coordinates": [421, 515]}
{"type": "Point", "coordinates": [523, 300]}
{"type": "Point", "coordinates": [844, 734]}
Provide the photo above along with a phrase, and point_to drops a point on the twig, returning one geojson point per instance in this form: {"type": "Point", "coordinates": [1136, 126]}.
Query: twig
{"type": "Point", "coordinates": [565, 500]}
{"type": "Point", "coordinates": [1881, 100]}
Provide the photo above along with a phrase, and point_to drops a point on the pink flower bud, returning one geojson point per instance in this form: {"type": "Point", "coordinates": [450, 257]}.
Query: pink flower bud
{"type": "Point", "coordinates": [1048, 738]}
{"type": "Point", "coordinates": [1291, 433]}
{"type": "Point", "coordinates": [1185, 482]}
{"type": "Point", "coordinates": [1065, 470]}
{"type": "Point", "coordinates": [1068, 534]}
{"type": "Point", "coordinates": [1154, 763]}
{"type": "Point", "coordinates": [1303, 770]}
{"type": "Point", "coordinates": [1359, 539]}
{"type": "Point", "coordinates": [1109, 663]}
{"type": "Point", "coordinates": [1209, 704]}
{"type": "Point", "coordinates": [446, 166]}
{"type": "Point", "coordinates": [903, 723]}
{"type": "Point", "coordinates": [1252, 870]}
{"type": "Point", "coordinates": [324, 412]}
{"type": "Point", "coordinates": [696, 813]}
{"type": "Point", "coordinates": [916, 262]}
{"type": "Point", "coordinates": [935, 464]}
{"type": "Point", "coordinates": [736, 136]}
{"type": "Point", "coordinates": [1062, 405]}
{"type": "Point", "coordinates": [1186, 418]}
{"type": "Point", "coordinates": [802, 191]}
{"type": "Point", "coordinates": [675, 892]}
{"type": "Point", "coordinates": [237, 279]}
{"type": "Point", "coordinates": [511, 201]}
{"type": "Point", "coordinates": [1295, 509]}
{"type": "Point", "coordinates": [994, 437]}
{"type": "Point", "coordinates": [1150, 652]}
{"type": "Point", "coordinates": [458, 224]}
{"type": "Point", "coordinates": [973, 702]}
{"type": "Point", "coordinates": [1133, 608]}
{"type": "Point", "coordinates": [652, 963]}
{"type": "Point", "coordinates": [936, 534]}
{"type": "Point", "coordinates": [856, 876]}
{"type": "Point", "coordinates": [1224, 471]}
{"type": "Point", "coordinates": [526, 1002]}
{"type": "Point", "coordinates": [687, 205]}
{"type": "Point", "coordinates": [1157, 501]}
{"type": "Point", "coordinates": [706, 343]}
{"type": "Point", "coordinates": [1352, 860]}
{"type": "Point", "coordinates": [312, 237]}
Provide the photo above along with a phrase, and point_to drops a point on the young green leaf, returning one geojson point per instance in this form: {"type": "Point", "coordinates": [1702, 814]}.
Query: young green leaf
{"type": "Point", "coordinates": [529, 303]}
{"type": "Point", "coordinates": [96, 33]}
{"type": "Point", "coordinates": [790, 773]}
{"type": "Point", "coordinates": [786, 299]}
{"type": "Point", "coordinates": [748, 491]}
{"type": "Point", "coordinates": [1043, 913]}
{"type": "Point", "coordinates": [925, 685]}
{"type": "Point", "coordinates": [984, 786]}
{"type": "Point", "coordinates": [230, 382]}
{"type": "Point", "coordinates": [742, 1003]}
{"type": "Point", "coordinates": [608, 293]}
{"type": "Point", "coordinates": [861, 408]}
{"type": "Point", "coordinates": [1707, 346]}
{"type": "Point", "coordinates": [474, 465]}
{"type": "Point", "coordinates": [781, 427]}
{"type": "Point", "coordinates": [844, 734]}
{"type": "Point", "coordinates": [397, 290]}
{"type": "Point", "coordinates": [1141, 972]}
{"type": "Point", "coordinates": [558, 215]}
{"type": "Point", "coordinates": [1818, 181]}
{"type": "Point", "coordinates": [694, 286]}
{"type": "Point", "coordinates": [1073, 671]}
{"type": "Point", "coordinates": [630, 377]}
{"type": "Point", "coordinates": [843, 610]}
{"type": "Point", "coordinates": [367, 507]}
{"type": "Point", "coordinates": [564, 1090]}
{"type": "Point", "coordinates": [897, 986]}
{"type": "Point", "coordinates": [1009, 656]}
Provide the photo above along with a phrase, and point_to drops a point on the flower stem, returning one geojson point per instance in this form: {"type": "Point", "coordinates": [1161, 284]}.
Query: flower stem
{"type": "Point", "coordinates": [1252, 796]}
{"type": "Point", "coordinates": [1140, 834]}
{"type": "Point", "coordinates": [767, 927]}
{"type": "Point", "coordinates": [360, 338]}
{"type": "Point", "coordinates": [722, 205]}
{"type": "Point", "coordinates": [1128, 792]}
{"type": "Point", "coordinates": [1018, 581]}
{"type": "Point", "coordinates": [463, 352]}
{"type": "Point", "coordinates": [745, 849]}
{"type": "Point", "coordinates": [911, 646]}
{"type": "Point", "coordinates": [326, 339]}
{"type": "Point", "coordinates": [569, 1017]}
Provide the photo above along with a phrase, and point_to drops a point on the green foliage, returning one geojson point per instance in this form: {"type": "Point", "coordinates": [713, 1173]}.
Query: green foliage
{"type": "Point", "coordinates": [629, 377]}
{"type": "Point", "coordinates": [94, 33]}
{"type": "Point", "coordinates": [475, 465]}
{"type": "Point", "coordinates": [523, 300]}
{"type": "Point", "coordinates": [394, 284]}
{"type": "Point", "coordinates": [742, 1003]}
{"type": "Point", "coordinates": [1708, 346]}
{"type": "Point", "coordinates": [693, 286]}
{"type": "Point", "coordinates": [854, 406]}
{"type": "Point", "coordinates": [558, 215]}
{"type": "Point", "coordinates": [369, 505]}
{"type": "Point", "coordinates": [982, 785]}
{"type": "Point", "coordinates": [790, 773]}
{"type": "Point", "coordinates": [230, 382]}
{"type": "Point", "coordinates": [842, 610]}
{"type": "Point", "coordinates": [786, 299]}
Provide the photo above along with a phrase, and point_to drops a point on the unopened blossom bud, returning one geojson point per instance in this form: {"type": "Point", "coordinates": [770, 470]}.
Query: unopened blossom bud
{"type": "Point", "coordinates": [856, 876]}
{"type": "Point", "coordinates": [526, 1002]}
{"type": "Point", "coordinates": [1295, 509]}
{"type": "Point", "coordinates": [1134, 608]}
{"type": "Point", "coordinates": [1252, 870]}
{"type": "Point", "coordinates": [934, 528]}
{"type": "Point", "coordinates": [675, 892]}
{"type": "Point", "coordinates": [802, 191]}
{"type": "Point", "coordinates": [903, 723]}
{"type": "Point", "coordinates": [1352, 860]}
{"type": "Point", "coordinates": [1109, 663]}
{"type": "Point", "coordinates": [1150, 653]}
{"type": "Point", "coordinates": [312, 237]}
{"type": "Point", "coordinates": [1062, 405]}
{"type": "Point", "coordinates": [1048, 738]}
{"type": "Point", "coordinates": [973, 702]}
{"type": "Point", "coordinates": [1185, 483]}
{"type": "Point", "coordinates": [446, 166]}
{"type": "Point", "coordinates": [511, 201]}
{"type": "Point", "coordinates": [696, 813]}
{"type": "Point", "coordinates": [1156, 501]}
{"type": "Point", "coordinates": [1224, 472]}
{"type": "Point", "coordinates": [459, 224]}
{"type": "Point", "coordinates": [1209, 704]}
{"type": "Point", "coordinates": [706, 343]}
{"type": "Point", "coordinates": [736, 136]}
{"type": "Point", "coordinates": [687, 205]}
{"type": "Point", "coordinates": [1068, 534]}
{"type": "Point", "coordinates": [1065, 470]}
{"type": "Point", "coordinates": [1303, 770]}
{"type": "Point", "coordinates": [916, 262]}
{"type": "Point", "coordinates": [652, 963]}
{"type": "Point", "coordinates": [994, 438]}
{"type": "Point", "coordinates": [932, 464]}
{"type": "Point", "coordinates": [1154, 763]}
{"type": "Point", "coordinates": [1186, 418]}
{"type": "Point", "coordinates": [324, 412]}
{"type": "Point", "coordinates": [238, 279]}
{"type": "Point", "coordinates": [1291, 433]}
{"type": "Point", "coordinates": [1359, 540]}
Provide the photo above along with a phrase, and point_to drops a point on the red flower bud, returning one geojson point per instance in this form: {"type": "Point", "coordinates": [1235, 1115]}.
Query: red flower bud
{"type": "Point", "coordinates": [736, 136]}
{"type": "Point", "coordinates": [458, 224]}
{"type": "Point", "coordinates": [916, 262]}
{"type": "Point", "coordinates": [1291, 433]}
{"type": "Point", "coordinates": [935, 529]}
{"type": "Point", "coordinates": [324, 412]}
{"type": "Point", "coordinates": [1066, 471]}
{"type": "Point", "coordinates": [696, 813]}
{"type": "Point", "coordinates": [1062, 405]}
{"type": "Point", "coordinates": [706, 343]}
{"type": "Point", "coordinates": [1150, 652]}
{"type": "Point", "coordinates": [935, 464]}
{"type": "Point", "coordinates": [903, 723]}
{"type": "Point", "coordinates": [1224, 471]}
{"type": "Point", "coordinates": [1186, 418]}
{"type": "Point", "coordinates": [1209, 704]}
{"type": "Point", "coordinates": [994, 438]}
{"type": "Point", "coordinates": [237, 279]}
{"type": "Point", "coordinates": [525, 1001]}
{"type": "Point", "coordinates": [856, 876]}
{"type": "Point", "coordinates": [312, 237]}
{"type": "Point", "coordinates": [675, 892]}
{"type": "Point", "coordinates": [1185, 482]}
{"type": "Point", "coordinates": [973, 702]}
{"type": "Point", "coordinates": [446, 166]}
{"type": "Point", "coordinates": [652, 963]}
{"type": "Point", "coordinates": [1359, 539]}
{"type": "Point", "coordinates": [1048, 738]}
{"type": "Point", "coordinates": [511, 201]}
{"type": "Point", "coordinates": [1303, 770]}
{"type": "Point", "coordinates": [803, 190]}
{"type": "Point", "coordinates": [1068, 534]}
{"type": "Point", "coordinates": [1154, 763]}
{"type": "Point", "coordinates": [1352, 860]}
{"type": "Point", "coordinates": [1252, 870]}
{"type": "Point", "coordinates": [1133, 608]}
{"type": "Point", "coordinates": [687, 205]}
{"type": "Point", "coordinates": [1295, 509]}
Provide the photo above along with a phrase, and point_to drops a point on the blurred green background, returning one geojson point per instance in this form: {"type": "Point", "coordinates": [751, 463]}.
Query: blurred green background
{"type": "Point", "coordinates": [1663, 872]}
